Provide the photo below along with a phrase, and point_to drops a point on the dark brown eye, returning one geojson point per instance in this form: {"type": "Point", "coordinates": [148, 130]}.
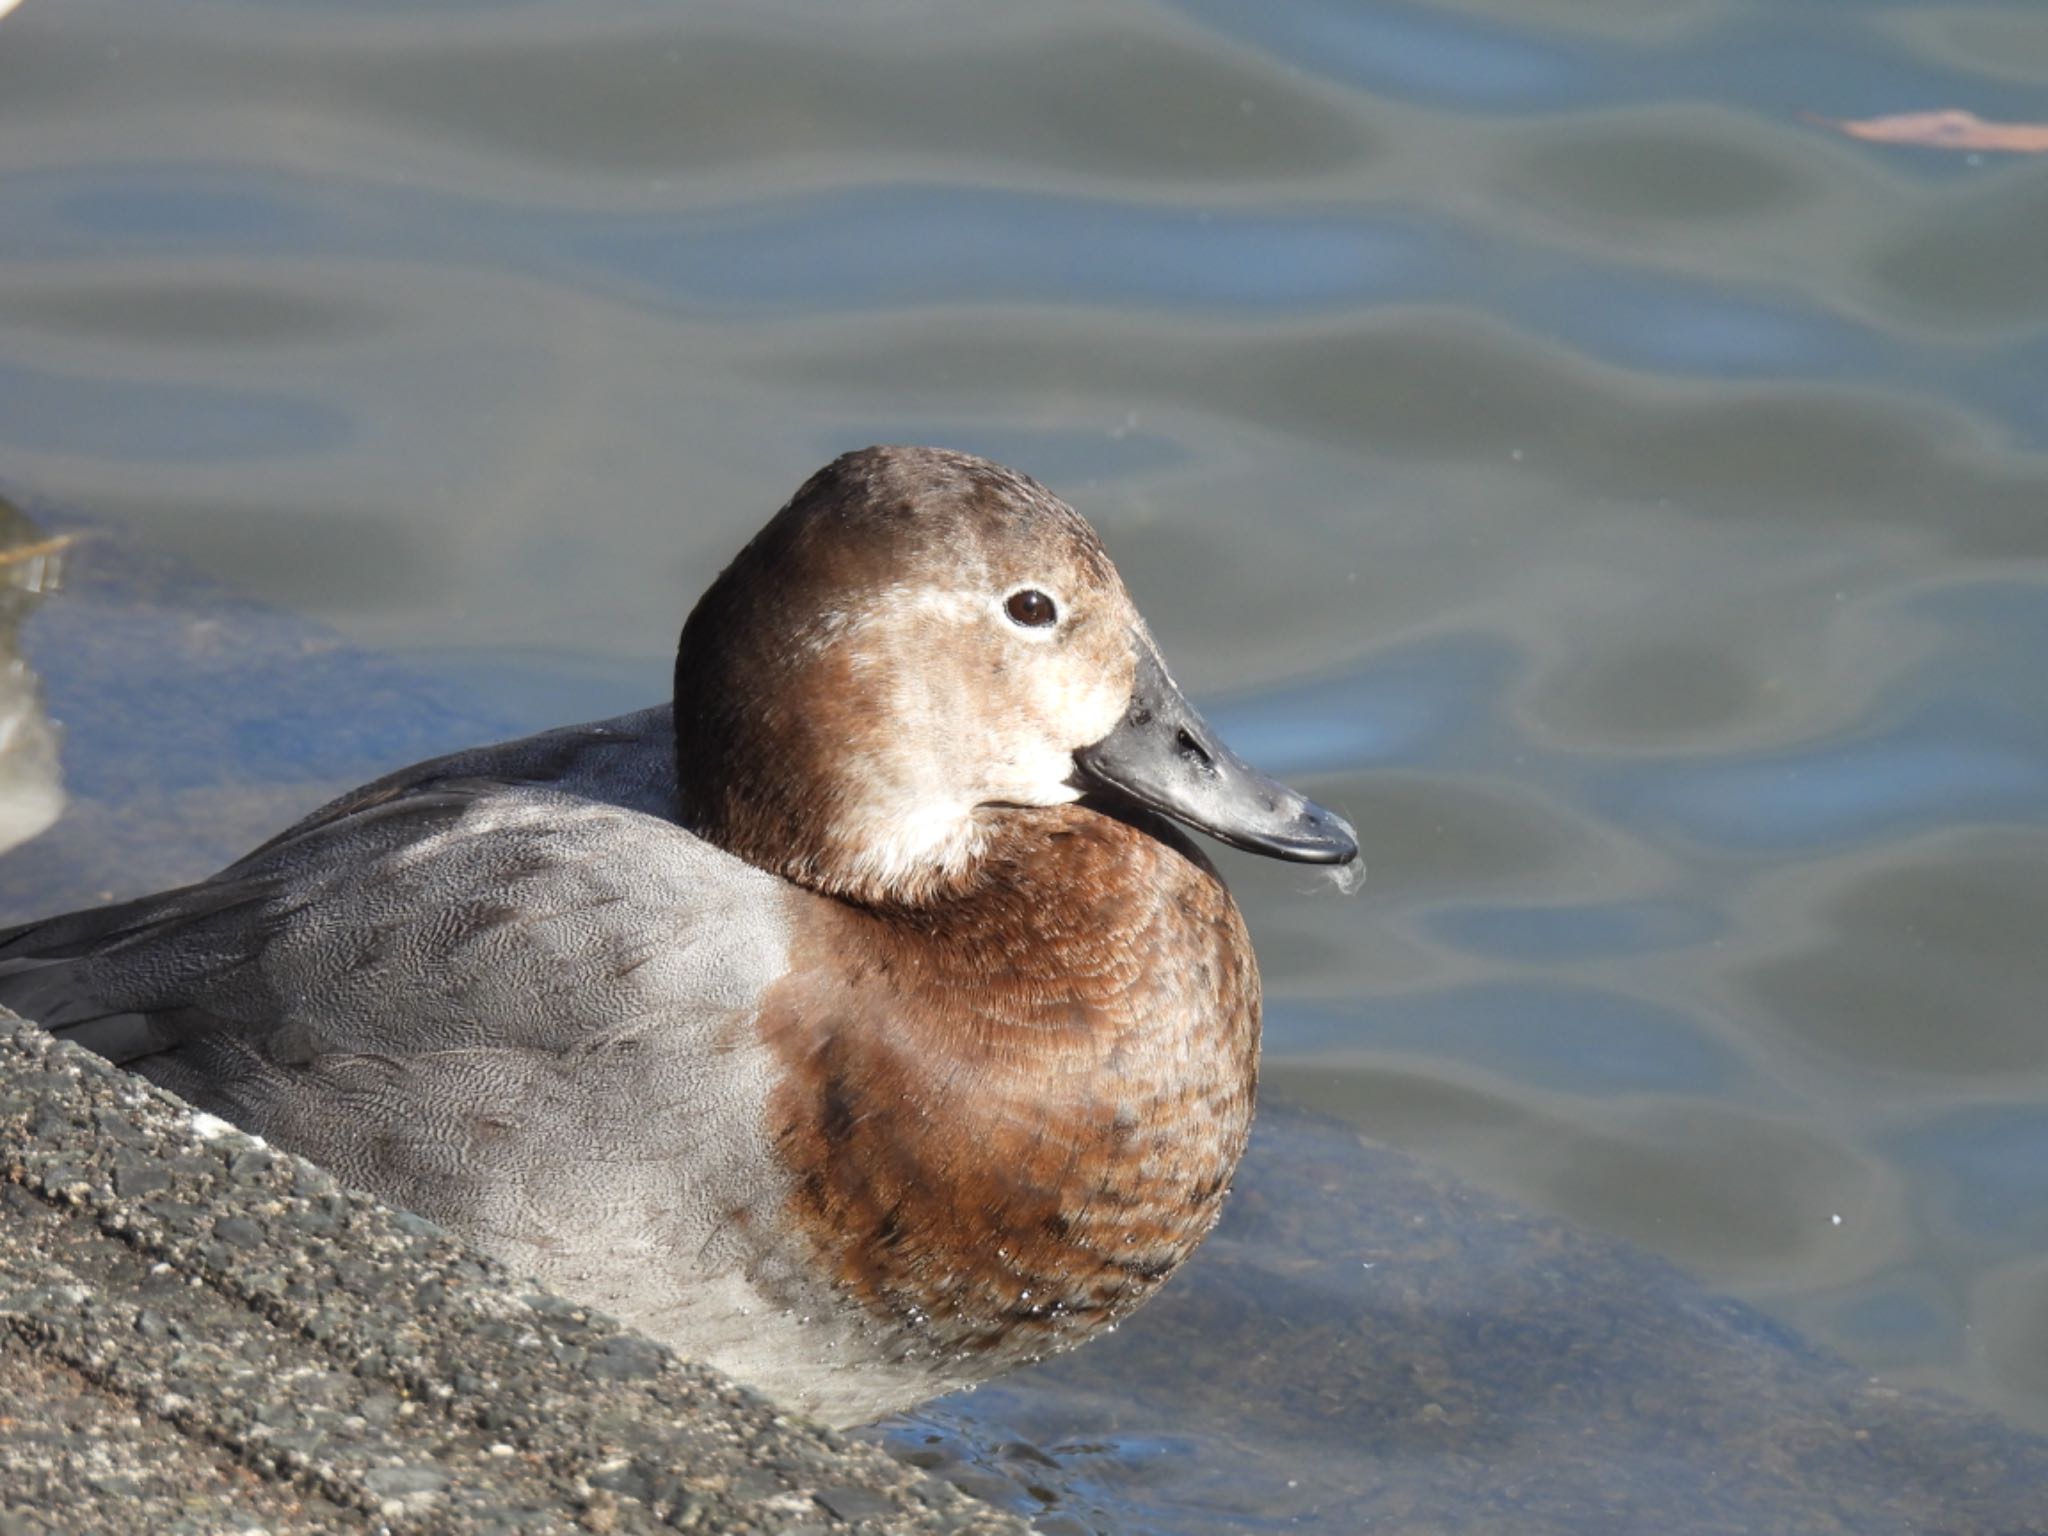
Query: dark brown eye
{"type": "Point", "coordinates": [1031, 608]}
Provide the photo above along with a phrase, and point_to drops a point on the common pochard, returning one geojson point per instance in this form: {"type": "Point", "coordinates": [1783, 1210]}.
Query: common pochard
{"type": "Point", "coordinates": [859, 1024]}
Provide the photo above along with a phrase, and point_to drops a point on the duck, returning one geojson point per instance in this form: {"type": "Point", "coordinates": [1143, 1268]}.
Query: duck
{"type": "Point", "coordinates": [863, 1022]}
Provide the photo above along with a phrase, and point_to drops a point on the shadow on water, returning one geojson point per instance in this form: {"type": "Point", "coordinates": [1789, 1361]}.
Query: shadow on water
{"type": "Point", "coordinates": [1367, 1343]}
{"type": "Point", "coordinates": [194, 724]}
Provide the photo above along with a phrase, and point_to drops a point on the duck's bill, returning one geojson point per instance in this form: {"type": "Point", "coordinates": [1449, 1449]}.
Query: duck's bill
{"type": "Point", "coordinates": [1166, 756]}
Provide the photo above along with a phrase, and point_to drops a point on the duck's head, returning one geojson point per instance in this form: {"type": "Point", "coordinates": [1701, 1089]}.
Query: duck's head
{"type": "Point", "coordinates": [917, 641]}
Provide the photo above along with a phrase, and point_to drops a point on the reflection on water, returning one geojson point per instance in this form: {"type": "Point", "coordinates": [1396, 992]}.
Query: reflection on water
{"type": "Point", "coordinates": [1623, 495]}
{"type": "Point", "coordinates": [31, 787]}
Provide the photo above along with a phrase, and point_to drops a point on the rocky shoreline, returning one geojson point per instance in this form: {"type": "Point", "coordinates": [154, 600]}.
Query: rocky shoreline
{"type": "Point", "coordinates": [200, 1333]}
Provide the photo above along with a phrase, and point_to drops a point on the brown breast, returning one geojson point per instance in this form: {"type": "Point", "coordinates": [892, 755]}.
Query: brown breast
{"type": "Point", "coordinates": [1008, 1119]}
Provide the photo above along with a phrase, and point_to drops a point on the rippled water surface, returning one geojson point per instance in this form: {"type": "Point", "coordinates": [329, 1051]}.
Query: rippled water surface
{"type": "Point", "coordinates": [1532, 427]}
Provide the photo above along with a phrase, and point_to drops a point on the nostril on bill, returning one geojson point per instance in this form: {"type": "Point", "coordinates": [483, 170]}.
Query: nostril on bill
{"type": "Point", "coordinates": [1194, 751]}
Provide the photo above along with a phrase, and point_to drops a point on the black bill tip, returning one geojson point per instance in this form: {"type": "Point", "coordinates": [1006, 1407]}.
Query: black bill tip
{"type": "Point", "coordinates": [1165, 756]}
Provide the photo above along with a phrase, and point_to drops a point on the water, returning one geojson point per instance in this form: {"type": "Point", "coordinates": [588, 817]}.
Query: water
{"type": "Point", "coordinates": [1526, 426]}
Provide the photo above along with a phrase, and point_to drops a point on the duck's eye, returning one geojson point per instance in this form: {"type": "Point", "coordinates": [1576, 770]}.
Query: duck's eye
{"type": "Point", "coordinates": [1031, 608]}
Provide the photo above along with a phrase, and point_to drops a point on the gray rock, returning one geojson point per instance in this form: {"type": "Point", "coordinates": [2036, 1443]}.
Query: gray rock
{"type": "Point", "coordinates": [198, 1332]}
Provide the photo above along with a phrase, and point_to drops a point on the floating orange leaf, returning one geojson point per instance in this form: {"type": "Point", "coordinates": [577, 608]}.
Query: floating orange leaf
{"type": "Point", "coordinates": [1952, 129]}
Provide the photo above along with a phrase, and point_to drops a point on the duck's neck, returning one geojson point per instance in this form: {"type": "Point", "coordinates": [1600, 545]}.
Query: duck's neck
{"type": "Point", "coordinates": [879, 839]}
{"type": "Point", "coordinates": [780, 761]}
{"type": "Point", "coordinates": [1012, 1113]}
